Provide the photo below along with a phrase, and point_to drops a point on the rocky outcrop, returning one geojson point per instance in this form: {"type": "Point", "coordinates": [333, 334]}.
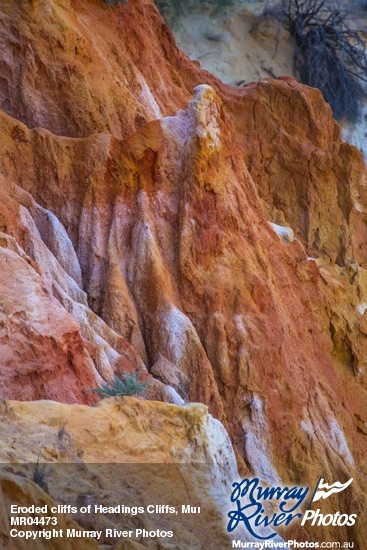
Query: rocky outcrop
{"type": "Point", "coordinates": [27, 495]}
{"type": "Point", "coordinates": [130, 441]}
{"type": "Point", "coordinates": [138, 194]}
{"type": "Point", "coordinates": [246, 41]}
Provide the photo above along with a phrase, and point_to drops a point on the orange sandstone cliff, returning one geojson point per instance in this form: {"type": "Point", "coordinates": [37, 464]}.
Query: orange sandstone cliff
{"type": "Point", "coordinates": [154, 220]}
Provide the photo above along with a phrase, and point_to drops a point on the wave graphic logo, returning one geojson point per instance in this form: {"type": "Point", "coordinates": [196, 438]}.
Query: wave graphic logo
{"type": "Point", "coordinates": [316, 518]}
{"type": "Point", "coordinates": [323, 490]}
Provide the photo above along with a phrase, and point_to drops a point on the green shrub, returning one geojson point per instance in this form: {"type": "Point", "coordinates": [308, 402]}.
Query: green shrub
{"type": "Point", "coordinates": [127, 384]}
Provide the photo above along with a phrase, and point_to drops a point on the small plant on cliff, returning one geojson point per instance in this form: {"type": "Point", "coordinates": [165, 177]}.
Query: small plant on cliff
{"type": "Point", "coordinates": [39, 475]}
{"type": "Point", "coordinates": [126, 384]}
{"type": "Point", "coordinates": [330, 54]}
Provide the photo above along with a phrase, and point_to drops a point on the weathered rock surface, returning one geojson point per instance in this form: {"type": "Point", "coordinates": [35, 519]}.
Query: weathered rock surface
{"type": "Point", "coordinates": [197, 454]}
{"type": "Point", "coordinates": [137, 191]}
{"type": "Point", "coordinates": [16, 489]}
{"type": "Point", "coordinates": [247, 42]}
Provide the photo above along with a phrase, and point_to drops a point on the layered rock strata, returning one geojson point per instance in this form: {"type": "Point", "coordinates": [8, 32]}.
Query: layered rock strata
{"type": "Point", "coordinates": [213, 239]}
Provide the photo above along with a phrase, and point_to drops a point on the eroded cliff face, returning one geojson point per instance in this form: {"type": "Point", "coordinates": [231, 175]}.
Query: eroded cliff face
{"type": "Point", "coordinates": [214, 239]}
{"type": "Point", "coordinates": [189, 458]}
{"type": "Point", "coordinates": [245, 41]}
